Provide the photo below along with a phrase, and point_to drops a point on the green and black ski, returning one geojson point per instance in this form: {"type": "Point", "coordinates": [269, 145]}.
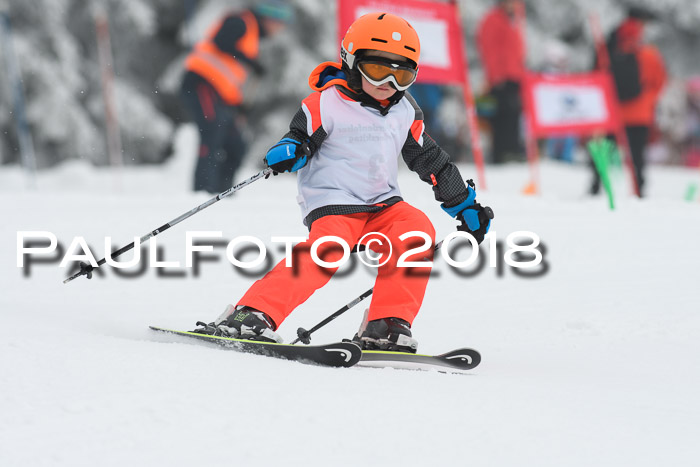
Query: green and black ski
{"type": "Point", "coordinates": [339, 354]}
{"type": "Point", "coordinates": [344, 354]}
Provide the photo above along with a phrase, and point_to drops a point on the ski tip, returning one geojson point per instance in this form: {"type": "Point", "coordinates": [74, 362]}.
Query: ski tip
{"type": "Point", "coordinates": [462, 358]}
{"type": "Point", "coordinates": [455, 361]}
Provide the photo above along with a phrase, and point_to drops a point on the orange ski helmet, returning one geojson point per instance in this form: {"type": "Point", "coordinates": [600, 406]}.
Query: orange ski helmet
{"type": "Point", "coordinates": [380, 31]}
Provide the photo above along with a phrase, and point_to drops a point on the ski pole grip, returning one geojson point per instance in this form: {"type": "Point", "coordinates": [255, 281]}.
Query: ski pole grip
{"type": "Point", "coordinates": [304, 336]}
{"type": "Point", "coordinates": [86, 269]}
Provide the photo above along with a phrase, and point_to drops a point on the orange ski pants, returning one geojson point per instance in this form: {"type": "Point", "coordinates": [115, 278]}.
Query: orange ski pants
{"type": "Point", "coordinates": [398, 291]}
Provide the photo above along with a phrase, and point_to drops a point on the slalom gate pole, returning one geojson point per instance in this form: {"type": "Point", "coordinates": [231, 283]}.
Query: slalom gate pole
{"type": "Point", "coordinates": [86, 269]}
{"type": "Point", "coordinates": [469, 106]}
{"type": "Point", "coordinates": [600, 150]}
{"type": "Point", "coordinates": [106, 61]}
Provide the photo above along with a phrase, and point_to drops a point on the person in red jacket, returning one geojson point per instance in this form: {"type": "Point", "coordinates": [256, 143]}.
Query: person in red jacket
{"type": "Point", "coordinates": [639, 74]}
{"type": "Point", "coordinates": [212, 88]}
{"type": "Point", "coordinates": [502, 52]}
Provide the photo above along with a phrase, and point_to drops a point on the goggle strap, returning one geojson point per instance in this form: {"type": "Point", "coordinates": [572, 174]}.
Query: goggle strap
{"type": "Point", "coordinates": [347, 56]}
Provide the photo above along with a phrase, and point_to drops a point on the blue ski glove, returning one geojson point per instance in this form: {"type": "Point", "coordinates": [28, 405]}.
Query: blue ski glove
{"type": "Point", "coordinates": [475, 218]}
{"type": "Point", "coordinates": [288, 155]}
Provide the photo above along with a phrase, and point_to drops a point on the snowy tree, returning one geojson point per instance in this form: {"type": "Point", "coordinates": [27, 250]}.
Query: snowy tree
{"type": "Point", "coordinates": [55, 41]}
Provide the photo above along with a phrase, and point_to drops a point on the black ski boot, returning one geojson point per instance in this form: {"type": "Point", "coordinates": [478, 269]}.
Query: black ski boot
{"type": "Point", "coordinates": [393, 334]}
{"type": "Point", "coordinates": [241, 322]}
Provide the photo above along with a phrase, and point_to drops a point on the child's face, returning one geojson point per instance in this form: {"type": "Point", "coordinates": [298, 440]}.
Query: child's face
{"type": "Point", "coordinates": [379, 93]}
{"type": "Point", "coordinates": [384, 91]}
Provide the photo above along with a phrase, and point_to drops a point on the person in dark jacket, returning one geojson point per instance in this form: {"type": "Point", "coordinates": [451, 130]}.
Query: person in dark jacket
{"type": "Point", "coordinates": [639, 74]}
{"type": "Point", "coordinates": [212, 88]}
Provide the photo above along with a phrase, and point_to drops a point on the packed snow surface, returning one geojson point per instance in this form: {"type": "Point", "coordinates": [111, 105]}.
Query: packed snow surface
{"type": "Point", "coordinates": [595, 362]}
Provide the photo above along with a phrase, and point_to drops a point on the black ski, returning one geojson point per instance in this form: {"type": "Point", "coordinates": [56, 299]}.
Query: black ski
{"type": "Point", "coordinates": [456, 361]}
{"type": "Point", "coordinates": [339, 354]}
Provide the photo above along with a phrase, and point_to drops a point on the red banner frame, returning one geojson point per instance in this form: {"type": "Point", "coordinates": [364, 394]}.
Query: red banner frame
{"type": "Point", "coordinates": [414, 11]}
{"type": "Point", "coordinates": [599, 80]}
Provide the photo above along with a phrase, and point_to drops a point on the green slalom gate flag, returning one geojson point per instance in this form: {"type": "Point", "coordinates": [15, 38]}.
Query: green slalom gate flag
{"type": "Point", "coordinates": [604, 156]}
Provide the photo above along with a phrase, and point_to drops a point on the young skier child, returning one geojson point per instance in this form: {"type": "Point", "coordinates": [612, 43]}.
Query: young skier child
{"type": "Point", "coordinates": [344, 145]}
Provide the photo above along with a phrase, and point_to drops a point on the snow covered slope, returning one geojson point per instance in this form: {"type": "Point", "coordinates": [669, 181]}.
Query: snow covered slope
{"type": "Point", "coordinates": [594, 363]}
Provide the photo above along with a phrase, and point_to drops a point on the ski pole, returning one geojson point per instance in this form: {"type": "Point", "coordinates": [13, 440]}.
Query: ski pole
{"type": "Point", "coordinates": [305, 336]}
{"type": "Point", "coordinates": [86, 269]}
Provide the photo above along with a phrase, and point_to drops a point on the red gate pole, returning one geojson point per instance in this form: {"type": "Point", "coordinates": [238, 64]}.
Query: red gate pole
{"type": "Point", "coordinates": [469, 105]}
{"type": "Point", "coordinates": [531, 148]}
{"type": "Point", "coordinates": [533, 156]}
{"type": "Point", "coordinates": [106, 60]}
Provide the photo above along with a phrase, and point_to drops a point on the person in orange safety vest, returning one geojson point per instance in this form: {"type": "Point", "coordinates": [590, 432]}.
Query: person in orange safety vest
{"type": "Point", "coordinates": [212, 88]}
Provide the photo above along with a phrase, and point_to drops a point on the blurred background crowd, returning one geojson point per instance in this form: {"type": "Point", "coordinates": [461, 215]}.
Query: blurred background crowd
{"type": "Point", "coordinates": [87, 66]}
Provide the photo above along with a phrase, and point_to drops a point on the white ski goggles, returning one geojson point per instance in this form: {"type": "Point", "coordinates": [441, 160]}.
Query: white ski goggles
{"type": "Point", "coordinates": [379, 72]}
